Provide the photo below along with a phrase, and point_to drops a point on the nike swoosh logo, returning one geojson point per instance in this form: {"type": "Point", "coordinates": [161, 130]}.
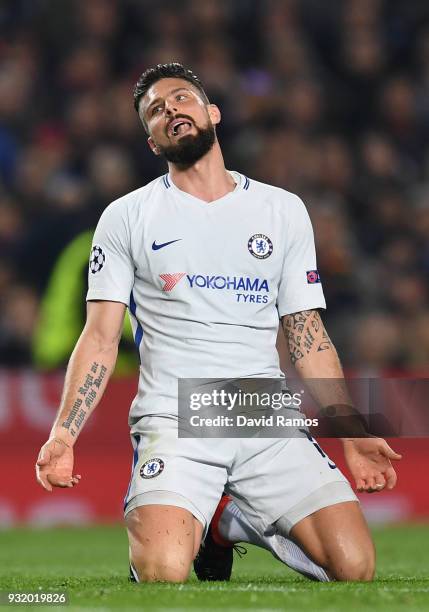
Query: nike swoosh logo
{"type": "Point", "coordinates": [156, 247]}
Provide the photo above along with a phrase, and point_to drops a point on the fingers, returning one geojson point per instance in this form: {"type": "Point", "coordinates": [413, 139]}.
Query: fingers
{"type": "Point", "coordinates": [363, 483]}
{"type": "Point", "coordinates": [389, 452]}
{"type": "Point", "coordinates": [378, 484]}
{"type": "Point", "coordinates": [42, 479]}
{"type": "Point", "coordinates": [63, 483]}
{"type": "Point", "coordinates": [44, 457]}
{"type": "Point", "coordinates": [360, 485]}
{"type": "Point", "coordinates": [371, 484]}
{"type": "Point", "coordinates": [54, 466]}
{"type": "Point", "coordinates": [43, 460]}
{"type": "Point", "coordinates": [391, 478]}
{"type": "Point", "coordinates": [373, 471]}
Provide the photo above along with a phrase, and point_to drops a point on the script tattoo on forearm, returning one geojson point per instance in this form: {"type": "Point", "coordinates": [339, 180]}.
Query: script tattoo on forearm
{"type": "Point", "coordinates": [302, 331]}
{"type": "Point", "coordinates": [87, 394]}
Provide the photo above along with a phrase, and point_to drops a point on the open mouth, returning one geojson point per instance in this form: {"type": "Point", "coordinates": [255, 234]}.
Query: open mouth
{"type": "Point", "coordinates": [179, 127]}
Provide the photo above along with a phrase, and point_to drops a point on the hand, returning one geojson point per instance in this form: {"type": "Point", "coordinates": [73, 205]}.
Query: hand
{"type": "Point", "coordinates": [368, 459]}
{"type": "Point", "coordinates": [54, 466]}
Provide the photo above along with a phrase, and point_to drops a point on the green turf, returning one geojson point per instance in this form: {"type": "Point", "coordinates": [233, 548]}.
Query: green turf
{"type": "Point", "coordinates": [91, 564]}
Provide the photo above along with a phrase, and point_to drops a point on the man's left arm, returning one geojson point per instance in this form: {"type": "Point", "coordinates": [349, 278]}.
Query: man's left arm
{"type": "Point", "coordinates": [316, 360]}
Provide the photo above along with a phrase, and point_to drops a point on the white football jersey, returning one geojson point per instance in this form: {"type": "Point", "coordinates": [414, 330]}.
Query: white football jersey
{"type": "Point", "coordinates": [205, 283]}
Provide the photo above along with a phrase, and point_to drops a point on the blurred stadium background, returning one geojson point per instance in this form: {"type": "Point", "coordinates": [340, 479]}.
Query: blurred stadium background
{"type": "Point", "coordinates": [326, 99]}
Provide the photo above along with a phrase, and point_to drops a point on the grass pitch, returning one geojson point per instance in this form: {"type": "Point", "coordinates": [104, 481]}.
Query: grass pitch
{"type": "Point", "coordinates": [91, 565]}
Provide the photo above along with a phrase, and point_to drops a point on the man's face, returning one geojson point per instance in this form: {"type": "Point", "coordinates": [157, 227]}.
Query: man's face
{"type": "Point", "coordinates": [180, 124]}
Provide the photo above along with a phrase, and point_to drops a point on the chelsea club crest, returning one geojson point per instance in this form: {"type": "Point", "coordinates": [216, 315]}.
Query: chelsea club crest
{"type": "Point", "coordinates": [260, 246]}
{"type": "Point", "coordinates": [152, 468]}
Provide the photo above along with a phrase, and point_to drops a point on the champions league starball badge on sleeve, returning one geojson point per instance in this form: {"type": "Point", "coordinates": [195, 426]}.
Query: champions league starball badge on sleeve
{"type": "Point", "coordinates": [97, 259]}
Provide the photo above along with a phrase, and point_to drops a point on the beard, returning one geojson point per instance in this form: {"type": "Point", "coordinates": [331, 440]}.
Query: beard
{"type": "Point", "coordinates": [190, 148]}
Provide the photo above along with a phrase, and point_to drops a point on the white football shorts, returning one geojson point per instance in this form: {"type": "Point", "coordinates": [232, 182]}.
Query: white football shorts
{"type": "Point", "coordinates": [288, 478]}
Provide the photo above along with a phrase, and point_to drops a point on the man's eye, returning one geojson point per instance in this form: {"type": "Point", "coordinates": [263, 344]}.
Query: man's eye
{"type": "Point", "coordinates": [156, 109]}
{"type": "Point", "coordinates": [181, 97]}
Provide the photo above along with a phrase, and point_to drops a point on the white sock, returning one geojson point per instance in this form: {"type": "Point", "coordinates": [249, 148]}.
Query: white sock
{"type": "Point", "coordinates": [234, 527]}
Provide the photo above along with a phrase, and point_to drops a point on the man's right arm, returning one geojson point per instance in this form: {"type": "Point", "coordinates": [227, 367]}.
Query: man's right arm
{"type": "Point", "coordinates": [91, 364]}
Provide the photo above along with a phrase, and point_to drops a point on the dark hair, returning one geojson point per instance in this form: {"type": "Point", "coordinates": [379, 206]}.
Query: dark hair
{"type": "Point", "coordinates": [173, 70]}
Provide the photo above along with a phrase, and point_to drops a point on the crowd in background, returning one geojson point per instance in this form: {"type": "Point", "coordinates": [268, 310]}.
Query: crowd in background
{"type": "Point", "coordinates": [329, 100]}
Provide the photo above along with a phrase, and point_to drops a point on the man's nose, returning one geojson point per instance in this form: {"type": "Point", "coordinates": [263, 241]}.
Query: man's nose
{"type": "Point", "coordinates": [170, 108]}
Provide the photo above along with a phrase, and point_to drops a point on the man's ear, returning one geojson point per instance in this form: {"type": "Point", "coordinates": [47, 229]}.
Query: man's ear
{"type": "Point", "coordinates": [214, 113]}
{"type": "Point", "coordinates": [153, 146]}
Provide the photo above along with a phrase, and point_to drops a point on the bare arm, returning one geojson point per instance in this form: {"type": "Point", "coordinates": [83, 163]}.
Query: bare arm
{"type": "Point", "coordinates": [91, 364]}
{"type": "Point", "coordinates": [310, 348]}
{"type": "Point", "coordinates": [316, 360]}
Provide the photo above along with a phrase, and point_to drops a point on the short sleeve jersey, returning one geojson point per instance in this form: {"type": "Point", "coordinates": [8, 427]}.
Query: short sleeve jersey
{"type": "Point", "coordinates": [205, 283]}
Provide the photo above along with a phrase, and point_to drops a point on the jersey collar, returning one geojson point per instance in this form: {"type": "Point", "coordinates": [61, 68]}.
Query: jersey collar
{"type": "Point", "coordinates": [241, 183]}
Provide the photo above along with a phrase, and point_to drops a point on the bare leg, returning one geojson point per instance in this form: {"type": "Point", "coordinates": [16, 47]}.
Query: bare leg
{"type": "Point", "coordinates": [337, 538]}
{"type": "Point", "coordinates": [163, 542]}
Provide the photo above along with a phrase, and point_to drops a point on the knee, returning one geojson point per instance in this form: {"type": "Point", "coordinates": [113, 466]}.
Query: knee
{"type": "Point", "coordinates": [161, 543]}
{"type": "Point", "coordinates": [161, 569]}
{"type": "Point", "coordinates": [358, 565]}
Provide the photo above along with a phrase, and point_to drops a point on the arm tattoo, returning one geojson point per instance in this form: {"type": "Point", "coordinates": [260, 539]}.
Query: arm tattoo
{"type": "Point", "coordinates": [305, 333]}
{"type": "Point", "coordinates": [86, 395]}
{"type": "Point", "coordinates": [326, 342]}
